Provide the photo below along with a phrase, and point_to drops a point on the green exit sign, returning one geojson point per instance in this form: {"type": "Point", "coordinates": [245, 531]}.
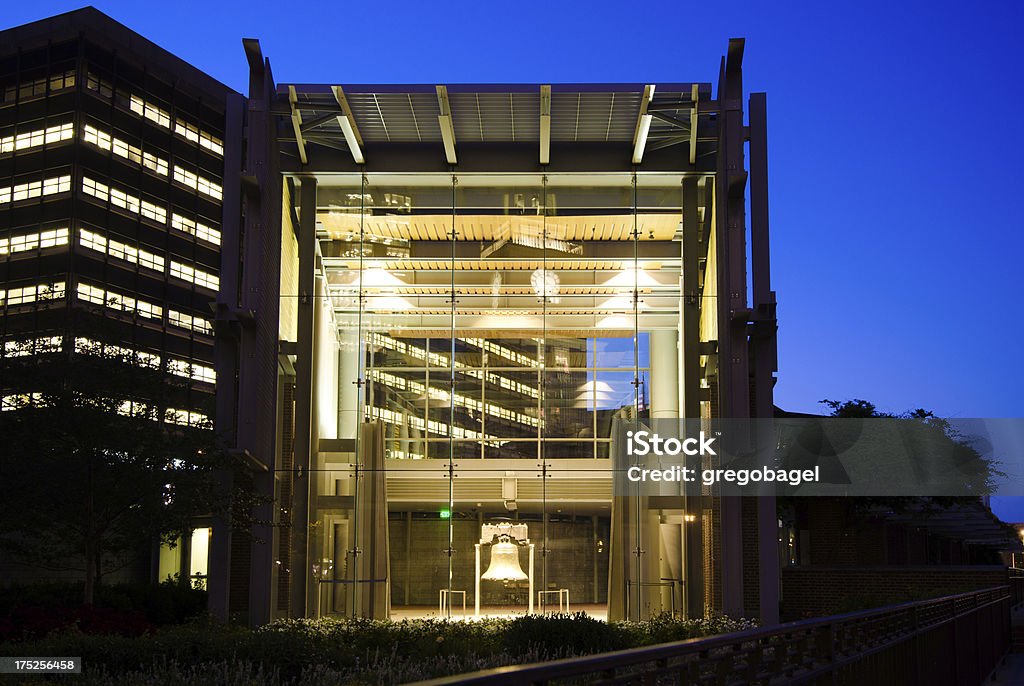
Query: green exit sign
{"type": "Point", "coordinates": [446, 514]}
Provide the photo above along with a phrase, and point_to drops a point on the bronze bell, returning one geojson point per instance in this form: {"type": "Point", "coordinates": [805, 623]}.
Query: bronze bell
{"type": "Point", "coordinates": [504, 563]}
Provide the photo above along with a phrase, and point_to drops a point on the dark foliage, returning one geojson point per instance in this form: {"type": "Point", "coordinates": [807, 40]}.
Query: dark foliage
{"type": "Point", "coordinates": [30, 612]}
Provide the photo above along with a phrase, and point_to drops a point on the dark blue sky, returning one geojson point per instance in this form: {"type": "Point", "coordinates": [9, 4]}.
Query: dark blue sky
{"type": "Point", "coordinates": [895, 144]}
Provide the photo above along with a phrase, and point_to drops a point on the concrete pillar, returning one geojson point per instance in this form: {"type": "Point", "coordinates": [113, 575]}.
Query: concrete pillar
{"type": "Point", "coordinates": [348, 388]}
{"type": "Point", "coordinates": [664, 374]}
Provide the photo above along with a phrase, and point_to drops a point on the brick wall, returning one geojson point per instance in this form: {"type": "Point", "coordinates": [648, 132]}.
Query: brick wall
{"type": "Point", "coordinates": [751, 566]}
{"type": "Point", "coordinates": [818, 590]}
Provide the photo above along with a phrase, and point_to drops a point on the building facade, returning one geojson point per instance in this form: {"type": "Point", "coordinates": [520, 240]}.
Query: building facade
{"type": "Point", "coordinates": [431, 305]}
{"type": "Point", "coordinates": [113, 178]}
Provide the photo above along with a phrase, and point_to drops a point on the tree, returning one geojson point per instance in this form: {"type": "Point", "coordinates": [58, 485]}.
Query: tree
{"type": "Point", "coordinates": [96, 462]}
{"type": "Point", "coordinates": [928, 436]}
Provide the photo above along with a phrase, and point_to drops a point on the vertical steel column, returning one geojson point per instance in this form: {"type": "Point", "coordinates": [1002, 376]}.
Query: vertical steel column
{"type": "Point", "coordinates": [730, 233]}
{"type": "Point", "coordinates": [354, 604]}
{"type": "Point", "coordinates": [541, 452]}
{"type": "Point", "coordinates": [226, 354]}
{"type": "Point", "coordinates": [262, 218]}
{"type": "Point", "coordinates": [304, 448]}
{"type": "Point", "coordinates": [763, 349]}
{"type": "Point", "coordinates": [451, 416]}
{"type": "Point", "coordinates": [641, 503]}
{"type": "Point", "coordinates": [689, 346]}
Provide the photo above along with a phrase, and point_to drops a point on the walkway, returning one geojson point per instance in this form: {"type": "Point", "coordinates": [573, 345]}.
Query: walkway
{"type": "Point", "coordinates": [1011, 671]}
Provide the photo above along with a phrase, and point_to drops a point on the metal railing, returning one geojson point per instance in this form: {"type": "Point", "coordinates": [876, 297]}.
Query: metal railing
{"type": "Point", "coordinates": [1016, 585]}
{"type": "Point", "coordinates": [955, 640]}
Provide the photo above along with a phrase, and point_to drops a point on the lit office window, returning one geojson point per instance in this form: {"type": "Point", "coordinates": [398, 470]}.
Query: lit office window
{"type": "Point", "coordinates": [186, 417]}
{"type": "Point", "coordinates": [25, 295]}
{"type": "Point", "coordinates": [196, 182]}
{"type": "Point", "coordinates": [161, 117]}
{"type": "Point", "coordinates": [125, 200]}
{"type": "Point", "coordinates": [90, 346]}
{"type": "Point", "coordinates": [196, 135]}
{"type": "Point", "coordinates": [134, 408]}
{"type": "Point", "coordinates": [150, 111]}
{"type": "Point", "coordinates": [190, 322]}
{"type": "Point", "coordinates": [16, 401]}
{"type": "Point", "coordinates": [32, 346]}
{"type": "Point", "coordinates": [196, 276]}
{"type": "Point", "coordinates": [30, 241]}
{"type": "Point", "coordinates": [122, 251]}
{"type": "Point", "coordinates": [118, 301]}
{"type": "Point", "coordinates": [29, 89]}
{"type": "Point", "coordinates": [154, 212]}
{"type": "Point", "coordinates": [191, 370]}
{"type": "Point", "coordinates": [121, 148]}
{"type": "Point", "coordinates": [37, 138]}
{"type": "Point", "coordinates": [197, 229]}
{"type": "Point", "coordinates": [35, 189]}
{"type": "Point", "coordinates": [95, 189]}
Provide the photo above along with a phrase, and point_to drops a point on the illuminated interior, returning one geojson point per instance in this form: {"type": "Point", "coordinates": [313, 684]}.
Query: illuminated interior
{"type": "Point", "coordinates": [493, 327]}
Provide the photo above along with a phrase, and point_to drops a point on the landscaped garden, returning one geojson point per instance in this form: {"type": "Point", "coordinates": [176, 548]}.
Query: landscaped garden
{"type": "Point", "coordinates": [127, 647]}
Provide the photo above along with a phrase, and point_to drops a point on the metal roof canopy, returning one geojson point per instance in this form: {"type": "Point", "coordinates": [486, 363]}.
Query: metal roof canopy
{"type": "Point", "coordinates": [495, 113]}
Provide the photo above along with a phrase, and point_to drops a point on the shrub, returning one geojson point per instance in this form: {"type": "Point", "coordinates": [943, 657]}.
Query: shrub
{"type": "Point", "coordinates": [130, 609]}
{"type": "Point", "coordinates": [665, 628]}
{"type": "Point", "coordinates": [575, 634]}
{"type": "Point", "coordinates": [328, 652]}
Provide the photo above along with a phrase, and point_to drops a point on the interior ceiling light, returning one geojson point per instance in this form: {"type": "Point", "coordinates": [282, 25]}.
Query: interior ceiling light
{"type": "Point", "coordinates": [630, 277]}
{"type": "Point", "coordinates": [374, 277]}
{"type": "Point", "coordinates": [622, 303]}
{"type": "Point", "coordinates": [595, 387]}
{"type": "Point", "coordinates": [615, 321]}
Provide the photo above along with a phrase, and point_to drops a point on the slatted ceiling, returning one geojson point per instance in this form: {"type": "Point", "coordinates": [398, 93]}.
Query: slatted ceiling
{"type": "Point", "coordinates": [476, 332]}
{"type": "Point", "coordinates": [401, 123]}
{"type": "Point", "coordinates": [594, 116]}
{"type": "Point", "coordinates": [503, 290]}
{"type": "Point", "coordinates": [526, 111]}
{"type": "Point", "coordinates": [504, 312]}
{"type": "Point", "coordinates": [501, 265]}
{"type": "Point", "coordinates": [565, 489]}
{"type": "Point", "coordinates": [465, 488]}
{"type": "Point", "coordinates": [487, 227]}
{"type": "Point", "coordinates": [596, 487]}
{"type": "Point", "coordinates": [368, 116]}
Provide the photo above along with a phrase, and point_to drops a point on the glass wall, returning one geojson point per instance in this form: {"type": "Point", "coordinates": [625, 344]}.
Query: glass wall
{"type": "Point", "coordinates": [490, 331]}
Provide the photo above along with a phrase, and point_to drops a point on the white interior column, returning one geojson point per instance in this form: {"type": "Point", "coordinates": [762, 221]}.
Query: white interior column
{"type": "Point", "coordinates": [664, 375]}
{"type": "Point", "coordinates": [348, 389]}
{"type": "Point", "coordinates": [664, 378]}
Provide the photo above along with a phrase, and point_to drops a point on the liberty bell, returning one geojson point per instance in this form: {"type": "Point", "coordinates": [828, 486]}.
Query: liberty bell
{"type": "Point", "coordinates": [504, 562]}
